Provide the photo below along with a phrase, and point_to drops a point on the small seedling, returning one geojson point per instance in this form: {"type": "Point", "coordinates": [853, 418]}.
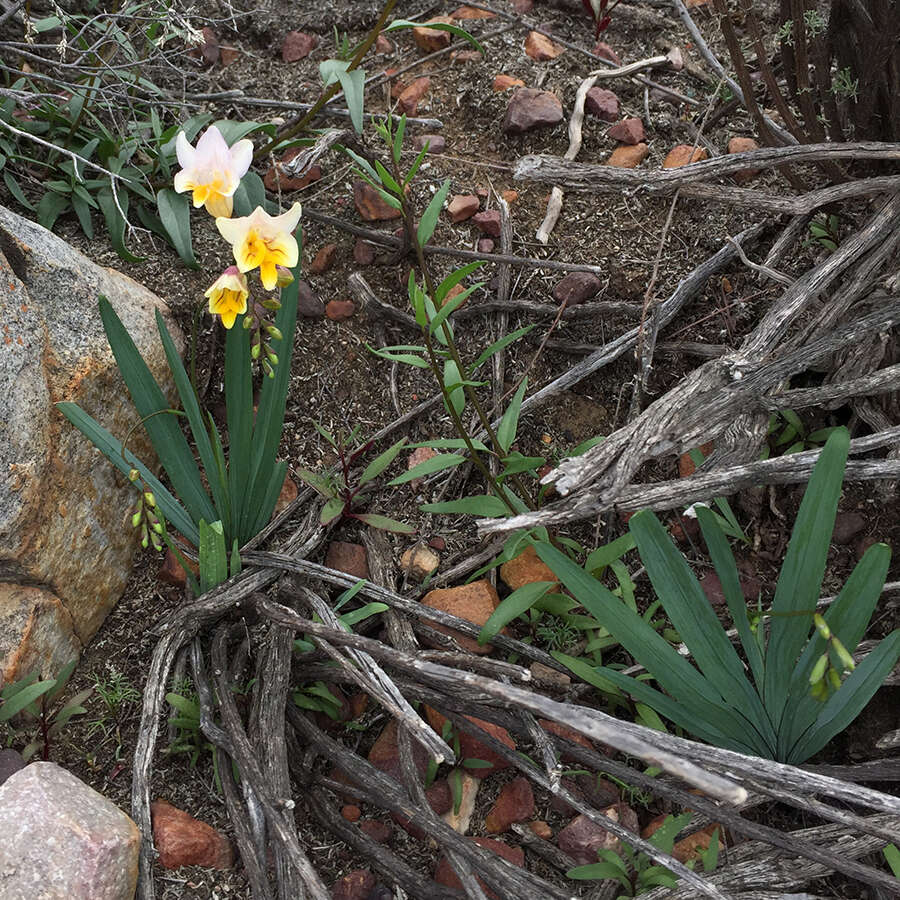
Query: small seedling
{"type": "Point", "coordinates": [36, 704]}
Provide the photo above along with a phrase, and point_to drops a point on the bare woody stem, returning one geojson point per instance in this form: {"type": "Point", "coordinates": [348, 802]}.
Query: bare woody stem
{"type": "Point", "coordinates": [298, 127]}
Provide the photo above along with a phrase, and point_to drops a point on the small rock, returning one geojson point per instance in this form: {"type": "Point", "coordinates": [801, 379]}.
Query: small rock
{"type": "Point", "coordinates": [510, 196]}
{"type": "Point", "coordinates": [462, 207]}
{"type": "Point", "coordinates": [358, 704]}
{"type": "Point", "coordinates": [348, 558]}
{"type": "Point", "coordinates": [183, 840]}
{"type": "Point", "coordinates": [436, 143]}
{"type": "Point", "coordinates": [385, 753]}
{"type": "Point", "coordinates": [577, 287]}
{"type": "Point", "coordinates": [471, 748]}
{"type": "Point", "coordinates": [531, 108]}
{"type": "Point", "coordinates": [628, 157]}
{"type": "Point", "coordinates": [604, 51]}
{"type": "Point", "coordinates": [550, 677]}
{"type": "Point", "coordinates": [171, 571]}
{"type": "Point", "coordinates": [467, 56]}
{"type": "Point", "coordinates": [351, 812]}
{"type": "Point", "coordinates": [474, 602]}
{"type": "Point", "coordinates": [526, 568]}
{"type": "Point", "coordinates": [515, 803]}
{"type": "Point", "coordinates": [380, 832]}
{"type": "Point", "coordinates": [209, 47]}
{"type": "Point", "coordinates": [286, 496]}
{"type": "Point", "coordinates": [505, 82]}
{"type": "Point", "coordinates": [847, 525]}
{"type": "Point", "coordinates": [538, 46]}
{"type": "Point", "coordinates": [417, 457]}
{"type": "Point", "coordinates": [59, 838]}
{"type": "Point", "coordinates": [431, 39]}
{"type": "Point", "coordinates": [437, 543]}
{"type": "Point", "coordinates": [355, 885]}
{"type": "Point", "coordinates": [383, 45]}
{"type": "Point", "coordinates": [340, 310]}
{"type": "Point", "coordinates": [523, 6]}
{"type": "Point", "coordinates": [363, 252]}
{"type": "Point", "coordinates": [541, 829]}
{"type": "Point", "coordinates": [455, 291]}
{"type": "Point", "coordinates": [470, 12]}
{"type": "Point", "coordinates": [298, 45]}
{"type": "Point", "coordinates": [419, 562]}
{"type": "Point", "coordinates": [628, 131]}
{"type": "Point", "coordinates": [408, 101]}
{"type": "Point", "coordinates": [370, 205]}
{"type": "Point", "coordinates": [684, 155]}
{"type": "Point", "coordinates": [10, 762]}
{"type": "Point", "coordinates": [459, 817]}
{"type": "Point", "coordinates": [602, 103]}
{"type": "Point", "coordinates": [582, 838]}
{"type": "Point", "coordinates": [488, 221]}
{"type": "Point", "coordinates": [323, 260]}
{"type": "Point", "coordinates": [743, 145]}
{"type": "Point", "coordinates": [308, 304]}
{"type": "Point", "coordinates": [276, 178]}
{"type": "Point", "coordinates": [444, 873]}
{"type": "Point", "coordinates": [485, 245]}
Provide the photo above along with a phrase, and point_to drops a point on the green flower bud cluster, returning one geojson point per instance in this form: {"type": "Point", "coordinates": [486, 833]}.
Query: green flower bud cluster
{"type": "Point", "coordinates": [257, 320]}
{"type": "Point", "coordinates": [826, 677]}
{"type": "Point", "coordinates": [146, 516]}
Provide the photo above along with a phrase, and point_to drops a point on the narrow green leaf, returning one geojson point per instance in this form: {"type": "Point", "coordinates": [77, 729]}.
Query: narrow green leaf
{"type": "Point", "coordinates": [185, 706]}
{"type": "Point", "coordinates": [165, 434]}
{"type": "Point", "coordinates": [364, 612]}
{"type": "Point", "coordinates": [111, 448]}
{"type": "Point", "coordinates": [385, 523]}
{"type": "Point", "coordinates": [381, 462]}
{"type": "Point", "coordinates": [511, 607]}
{"type": "Point", "coordinates": [331, 510]}
{"type": "Point", "coordinates": [429, 219]}
{"type": "Point", "coordinates": [450, 307]}
{"type": "Point", "coordinates": [51, 207]}
{"type": "Point", "coordinates": [415, 166]}
{"type": "Point", "coordinates": [398, 24]}
{"type": "Point", "coordinates": [801, 573]}
{"type": "Point", "coordinates": [213, 558]}
{"type": "Point", "coordinates": [17, 192]}
{"type": "Point", "coordinates": [435, 464]}
{"type": "Point", "coordinates": [474, 505]}
{"type": "Point", "coordinates": [175, 215]}
{"type": "Point", "coordinates": [115, 222]}
{"type": "Point", "coordinates": [398, 138]}
{"type": "Point", "coordinates": [499, 345]}
{"type": "Point", "coordinates": [23, 698]}
{"type": "Point", "coordinates": [453, 386]}
{"type": "Point", "coordinates": [509, 424]}
{"type": "Point", "coordinates": [453, 279]}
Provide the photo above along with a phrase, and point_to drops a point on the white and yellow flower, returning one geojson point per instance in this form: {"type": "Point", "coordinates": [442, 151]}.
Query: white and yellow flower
{"type": "Point", "coordinates": [264, 241]}
{"type": "Point", "coordinates": [228, 296]}
{"type": "Point", "coordinates": [212, 169]}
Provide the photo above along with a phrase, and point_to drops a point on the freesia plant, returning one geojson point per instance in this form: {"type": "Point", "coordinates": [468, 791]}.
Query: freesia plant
{"type": "Point", "coordinates": [220, 503]}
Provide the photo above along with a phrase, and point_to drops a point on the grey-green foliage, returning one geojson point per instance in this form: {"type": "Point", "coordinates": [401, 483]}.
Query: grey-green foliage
{"type": "Point", "coordinates": [771, 713]}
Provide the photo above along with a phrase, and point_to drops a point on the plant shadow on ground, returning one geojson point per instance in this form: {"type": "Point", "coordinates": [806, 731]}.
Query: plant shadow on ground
{"type": "Point", "coordinates": [338, 383]}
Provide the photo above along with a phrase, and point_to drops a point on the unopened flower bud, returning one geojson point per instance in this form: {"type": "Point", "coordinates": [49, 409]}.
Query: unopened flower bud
{"type": "Point", "coordinates": [133, 475]}
{"type": "Point", "coordinates": [157, 527]}
{"type": "Point", "coordinates": [136, 520]}
{"type": "Point", "coordinates": [274, 332]}
{"type": "Point", "coordinates": [818, 670]}
{"type": "Point", "coordinates": [254, 351]}
{"type": "Point", "coordinates": [843, 655]}
{"type": "Point", "coordinates": [272, 357]}
{"type": "Point", "coordinates": [834, 678]}
{"type": "Point", "coordinates": [248, 323]}
{"type": "Point", "coordinates": [149, 499]}
{"type": "Point", "coordinates": [285, 276]}
{"type": "Point", "coordinates": [822, 626]}
{"type": "Point", "coordinates": [271, 304]}
{"type": "Point", "coordinates": [270, 372]}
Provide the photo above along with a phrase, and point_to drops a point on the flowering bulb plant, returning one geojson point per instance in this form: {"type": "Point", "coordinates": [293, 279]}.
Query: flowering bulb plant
{"type": "Point", "coordinates": [221, 503]}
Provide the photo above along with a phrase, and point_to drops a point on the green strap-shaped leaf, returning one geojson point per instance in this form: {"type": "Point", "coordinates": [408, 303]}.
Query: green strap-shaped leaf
{"type": "Point", "coordinates": [381, 462]}
{"type": "Point", "coordinates": [111, 448]}
{"type": "Point", "coordinates": [435, 464]}
{"type": "Point", "coordinates": [801, 575]}
{"type": "Point", "coordinates": [509, 424]}
{"type": "Point", "coordinates": [213, 557]}
{"type": "Point", "coordinates": [429, 219]}
{"type": "Point", "coordinates": [724, 564]}
{"type": "Point", "coordinates": [175, 215]}
{"type": "Point", "coordinates": [25, 697]}
{"type": "Point", "coordinates": [165, 433]}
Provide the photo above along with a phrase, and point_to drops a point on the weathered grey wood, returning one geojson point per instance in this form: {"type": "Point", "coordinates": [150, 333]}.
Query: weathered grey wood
{"type": "Point", "coordinates": [595, 177]}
